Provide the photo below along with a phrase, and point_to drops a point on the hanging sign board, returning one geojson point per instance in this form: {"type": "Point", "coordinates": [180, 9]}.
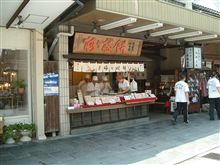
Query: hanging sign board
{"type": "Point", "coordinates": [51, 82]}
{"type": "Point", "coordinates": [193, 57]}
{"type": "Point", "coordinates": [106, 45]}
{"type": "Point", "coordinates": [107, 67]}
{"type": "Point", "coordinates": [197, 58]}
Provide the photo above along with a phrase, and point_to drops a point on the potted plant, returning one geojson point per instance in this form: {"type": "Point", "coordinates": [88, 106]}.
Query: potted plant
{"type": "Point", "coordinates": [26, 131]}
{"type": "Point", "coordinates": [20, 84]}
{"type": "Point", "coordinates": [8, 134]}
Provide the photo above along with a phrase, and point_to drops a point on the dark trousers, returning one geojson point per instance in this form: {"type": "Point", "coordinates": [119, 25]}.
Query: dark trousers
{"type": "Point", "coordinates": [214, 103]}
{"type": "Point", "coordinates": [181, 106]}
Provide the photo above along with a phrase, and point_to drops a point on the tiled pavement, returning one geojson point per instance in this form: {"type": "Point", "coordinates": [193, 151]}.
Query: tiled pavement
{"type": "Point", "coordinates": [158, 142]}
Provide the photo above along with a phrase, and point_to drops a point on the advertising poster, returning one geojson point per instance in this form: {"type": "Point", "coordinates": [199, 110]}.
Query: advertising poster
{"type": "Point", "coordinates": [51, 83]}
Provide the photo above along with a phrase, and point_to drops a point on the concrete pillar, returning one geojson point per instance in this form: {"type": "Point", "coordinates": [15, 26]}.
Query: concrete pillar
{"type": "Point", "coordinates": [61, 49]}
{"type": "Point", "coordinates": [37, 82]}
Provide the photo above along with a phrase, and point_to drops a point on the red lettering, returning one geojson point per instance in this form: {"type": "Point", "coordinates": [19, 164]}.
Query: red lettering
{"type": "Point", "coordinates": [120, 46]}
{"type": "Point", "coordinates": [98, 44]}
{"type": "Point", "coordinates": [107, 45]}
{"type": "Point", "coordinates": [89, 44]}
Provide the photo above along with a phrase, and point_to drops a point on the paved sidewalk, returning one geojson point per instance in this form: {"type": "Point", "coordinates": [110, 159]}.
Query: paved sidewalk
{"type": "Point", "coordinates": [158, 142]}
{"type": "Point", "coordinates": [211, 157]}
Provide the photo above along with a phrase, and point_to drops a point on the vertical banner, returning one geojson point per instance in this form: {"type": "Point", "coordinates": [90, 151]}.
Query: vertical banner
{"type": "Point", "coordinates": [51, 84]}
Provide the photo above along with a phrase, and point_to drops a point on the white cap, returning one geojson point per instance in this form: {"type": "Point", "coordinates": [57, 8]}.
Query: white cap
{"type": "Point", "coordinates": [104, 78]}
{"type": "Point", "coordinates": [94, 78]}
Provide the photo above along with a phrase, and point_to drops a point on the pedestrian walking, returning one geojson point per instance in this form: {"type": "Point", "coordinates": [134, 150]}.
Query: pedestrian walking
{"type": "Point", "coordinates": [213, 86]}
{"type": "Point", "coordinates": [181, 98]}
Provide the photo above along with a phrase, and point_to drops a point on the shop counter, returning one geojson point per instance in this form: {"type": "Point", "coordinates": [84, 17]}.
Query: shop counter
{"type": "Point", "coordinates": [107, 113]}
{"type": "Point", "coordinates": [124, 104]}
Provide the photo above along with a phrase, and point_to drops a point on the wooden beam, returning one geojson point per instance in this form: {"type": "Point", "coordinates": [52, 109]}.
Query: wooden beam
{"type": "Point", "coordinates": [17, 12]}
{"type": "Point", "coordinates": [212, 56]}
{"type": "Point", "coordinates": [103, 58]}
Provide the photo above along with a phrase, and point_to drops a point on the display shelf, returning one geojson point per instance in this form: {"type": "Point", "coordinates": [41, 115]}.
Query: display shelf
{"type": "Point", "coordinates": [141, 100]}
{"type": "Point", "coordinates": [104, 107]}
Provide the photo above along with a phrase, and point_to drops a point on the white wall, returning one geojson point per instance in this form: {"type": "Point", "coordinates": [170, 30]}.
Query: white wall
{"type": "Point", "coordinates": [13, 38]}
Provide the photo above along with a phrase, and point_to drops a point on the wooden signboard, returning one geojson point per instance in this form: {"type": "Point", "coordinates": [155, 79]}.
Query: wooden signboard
{"type": "Point", "coordinates": [106, 45]}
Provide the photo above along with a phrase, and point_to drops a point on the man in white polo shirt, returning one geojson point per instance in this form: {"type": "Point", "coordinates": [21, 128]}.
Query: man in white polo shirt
{"type": "Point", "coordinates": [181, 98]}
{"type": "Point", "coordinates": [213, 86]}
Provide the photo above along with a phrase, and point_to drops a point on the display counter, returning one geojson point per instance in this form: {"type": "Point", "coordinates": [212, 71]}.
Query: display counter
{"type": "Point", "coordinates": [106, 113]}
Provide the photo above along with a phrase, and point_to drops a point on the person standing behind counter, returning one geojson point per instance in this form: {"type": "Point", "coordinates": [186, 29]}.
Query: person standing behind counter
{"type": "Point", "coordinates": [123, 85]}
{"type": "Point", "coordinates": [93, 88]}
{"type": "Point", "coordinates": [83, 84]}
{"type": "Point", "coordinates": [105, 86]}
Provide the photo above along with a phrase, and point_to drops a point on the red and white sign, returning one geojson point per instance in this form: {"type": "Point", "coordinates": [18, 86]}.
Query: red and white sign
{"type": "Point", "coordinates": [106, 45]}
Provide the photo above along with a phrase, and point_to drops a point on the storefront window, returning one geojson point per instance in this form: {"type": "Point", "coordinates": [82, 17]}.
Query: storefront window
{"type": "Point", "coordinates": [13, 82]}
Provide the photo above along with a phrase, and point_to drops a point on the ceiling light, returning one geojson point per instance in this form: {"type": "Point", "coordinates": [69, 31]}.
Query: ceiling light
{"type": "Point", "coordinates": [184, 35]}
{"type": "Point", "coordinates": [169, 31]}
{"type": "Point", "coordinates": [119, 23]}
{"type": "Point", "coordinates": [101, 20]}
{"type": "Point", "coordinates": [202, 38]}
{"type": "Point", "coordinates": [144, 28]}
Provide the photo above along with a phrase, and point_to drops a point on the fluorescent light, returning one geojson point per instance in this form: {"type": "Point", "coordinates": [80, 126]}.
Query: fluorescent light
{"type": "Point", "coordinates": [144, 28]}
{"type": "Point", "coordinates": [119, 23]}
{"type": "Point", "coordinates": [184, 35]}
{"type": "Point", "coordinates": [169, 31]}
{"type": "Point", "coordinates": [202, 38]}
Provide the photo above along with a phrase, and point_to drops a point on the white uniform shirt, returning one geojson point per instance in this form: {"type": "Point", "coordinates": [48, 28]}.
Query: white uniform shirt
{"type": "Point", "coordinates": [93, 90]}
{"type": "Point", "coordinates": [124, 85]}
{"type": "Point", "coordinates": [181, 87]}
{"type": "Point", "coordinates": [212, 85]}
{"type": "Point", "coordinates": [83, 87]}
{"type": "Point", "coordinates": [105, 87]}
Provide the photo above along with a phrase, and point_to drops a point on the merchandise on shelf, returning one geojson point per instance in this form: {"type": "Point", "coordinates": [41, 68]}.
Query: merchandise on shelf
{"type": "Point", "coordinates": [193, 83]}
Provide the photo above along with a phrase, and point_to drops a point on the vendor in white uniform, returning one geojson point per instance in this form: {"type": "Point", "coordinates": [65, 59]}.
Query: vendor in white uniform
{"type": "Point", "coordinates": [93, 88]}
{"type": "Point", "coordinates": [83, 84]}
{"type": "Point", "coordinates": [123, 85]}
{"type": "Point", "coordinates": [105, 85]}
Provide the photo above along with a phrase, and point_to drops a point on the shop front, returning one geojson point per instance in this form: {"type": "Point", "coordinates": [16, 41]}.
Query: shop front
{"type": "Point", "coordinates": [15, 86]}
{"type": "Point", "coordinates": [106, 58]}
{"type": "Point", "coordinates": [19, 100]}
